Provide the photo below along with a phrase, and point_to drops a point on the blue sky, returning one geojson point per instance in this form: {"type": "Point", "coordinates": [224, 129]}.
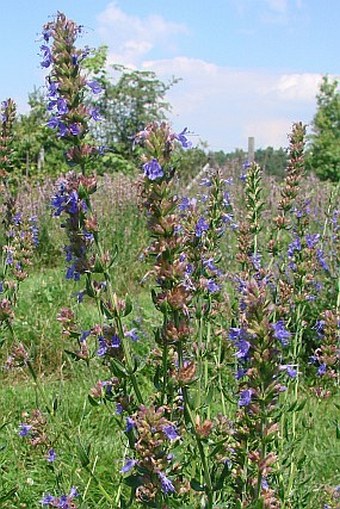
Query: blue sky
{"type": "Point", "coordinates": [248, 67]}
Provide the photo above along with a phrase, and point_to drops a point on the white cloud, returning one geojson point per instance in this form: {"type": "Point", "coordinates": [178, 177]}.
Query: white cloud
{"type": "Point", "coordinates": [225, 105]}
{"type": "Point", "coordinates": [280, 6]}
{"type": "Point", "coordinates": [131, 37]}
{"type": "Point", "coordinates": [298, 87]}
{"type": "Point", "coordinates": [222, 105]}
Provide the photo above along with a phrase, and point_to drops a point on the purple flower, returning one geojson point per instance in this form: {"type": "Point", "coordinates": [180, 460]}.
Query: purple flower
{"type": "Point", "coordinates": [63, 131]}
{"type": "Point", "coordinates": [153, 170]}
{"type": "Point", "coordinates": [46, 34]}
{"type": "Point", "coordinates": [281, 333]}
{"type": "Point", "coordinates": [47, 56]}
{"type": "Point", "coordinates": [102, 346]}
{"type": "Point", "coordinates": [94, 86]}
{"type": "Point", "coordinates": [226, 199]}
{"type": "Point", "coordinates": [294, 246]}
{"type": "Point", "coordinates": [84, 335]}
{"type": "Point", "coordinates": [1, 287]}
{"type": "Point", "coordinates": [181, 137]}
{"type": "Point", "coordinates": [62, 106]}
{"type": "Point", "coordinates": [243, 348]}
{"type": "Point", "coordinates": [51, 455]}
{"type": "Point", "coordinates": [312, 239]}
{"type": "Point", "coordinates": [184, 204]}
{"type": "Point", "coordinates": [9, 257]}
{"type": "Point", "coordinates": [264, 484]}
{"type": "Point", "coordinates": [114, 341]}
{"type": "Point", "coordinates": [189, 269]}
{"type": "Point", "coordinates": [209, 264]}
{"type": "Point", "coordinates": [212, 286]}
{"type": "Point", "coordinates": [170, 432]}
{"type": "Point", "coordinates": [130, 424]}
{"type": "Point", "coordinates": [24, 429]}
{"type": "Point", "coordinates": [240, 373]}
{"type": "Point", "coordinates": [239, 335]}
{"type": "Point", "coordinates": [119, 408]}
{"type": "Point", "coordinates": [132, 334]}
{"type": "Point", "coordinates": [205, 182]}
{"type": "Point", "coordinates": [320, 328]}
{"type": "Point", "coordinates": [256, 261]}
{"type": "Point", "coordinates": [129, 464]}
{"type": "Point", "coordinates": [95, 115]}
{"type": "Point", "coordinates": [75, 129]}
{"type": "Point", "coordinates": [53, 123]}
{"type": "Point", "coordinates": [75, 59]}
{"type": "Point", "coordinates": [201, 227]}
{"type": "Point", "coordinates": [34, 230]}
{"type": "Point", "coordinates": [166, 484]}
{"type": "Point", "coordinates": [52, 88]}
{"type": "Point", "coordinates": [290, 370]}
{"type": "Point", "coordinates": [321, 370]}
{"type": "Point", "coordinates": [321, 259]}
{"type": "Point", "coordinates": [245, 397]}
{"type": "Point", "coordinates": [72, 273]}
{"type": "Point", "coordinates": [48, 499]}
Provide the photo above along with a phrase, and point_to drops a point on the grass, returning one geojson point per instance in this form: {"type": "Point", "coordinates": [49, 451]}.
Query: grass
{"type": "Point", "coordinates": [90, 449]}
{"type": "Point", "coordinates": [87, 438]}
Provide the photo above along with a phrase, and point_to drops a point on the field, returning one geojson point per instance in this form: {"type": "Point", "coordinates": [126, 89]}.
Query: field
{"type": "Point", "coordinates": [165, 342]}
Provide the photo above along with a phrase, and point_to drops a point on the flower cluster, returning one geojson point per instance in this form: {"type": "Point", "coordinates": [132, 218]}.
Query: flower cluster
{"type": "Point", "coordinates": [7, 118]}
{"type": "Point", "coordinates": [22, 239]}
{"type": "Point", "coordinates": [327, 356]}
{"type": "Point", "coordinates": [258, 343]}
{"type": "Point", "coordinates": [34, 429]}
{"type": "Point", "coordinates": [72, 199]}
{"type": "Point", "coordinates": [152, 434]}
{"type": "Point", "coordinates": [62, 501]}
{"type": "Point", "coordinates": [294, 173]}
{"type": "Point", "coordinates": [67, 87]}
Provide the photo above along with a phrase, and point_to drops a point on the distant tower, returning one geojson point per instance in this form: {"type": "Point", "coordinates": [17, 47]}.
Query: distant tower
{"type": "Point", "coordinates": [251, 149]}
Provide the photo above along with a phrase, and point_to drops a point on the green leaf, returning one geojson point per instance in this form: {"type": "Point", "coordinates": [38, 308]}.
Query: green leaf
{"type": "Point", "coordinates": [83, 453]}
{"type": "Point", "coordinates": [9, 494]}
{"type": "Point", "coordinates": [118, 368]}
{"type": "Point", "coordinates": [133, 481]}
{"type": "Point", "coordinates": [93, 401]}
{"type": "Point", "coordinates": [114, 254]}
{"type": "Point", "coordinates": [73, 355]}
{"type": "Point", "coordinates": [224, 473]}
{"type": "Point", "coordinates": [196, 485]}
{"type": "Point", "coordinates": [128, 305]}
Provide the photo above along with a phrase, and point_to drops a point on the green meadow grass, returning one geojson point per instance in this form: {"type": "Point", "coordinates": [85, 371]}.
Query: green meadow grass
{"type": "Point", "coordinates": [87, 438]}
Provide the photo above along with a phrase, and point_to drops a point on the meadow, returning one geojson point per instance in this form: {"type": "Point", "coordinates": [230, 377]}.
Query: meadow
{"type": "Point", "coordinates": [165, 345]}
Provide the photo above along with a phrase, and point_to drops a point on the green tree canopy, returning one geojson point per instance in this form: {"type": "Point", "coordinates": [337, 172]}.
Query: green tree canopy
{"type": "Point", "coordinates": [130, 100]}
{"type": "Point", "coordinates": [324, 148]}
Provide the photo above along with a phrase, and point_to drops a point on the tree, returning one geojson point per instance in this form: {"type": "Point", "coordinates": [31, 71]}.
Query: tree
{"type": "Point", "coordinates": [37, 149]}
{"type": "Point", "coordinates": [128, 103]}
{"type": "Point", "coordinates": [273, 161]}
{"type": "Point", "coordinates": [324, 149]}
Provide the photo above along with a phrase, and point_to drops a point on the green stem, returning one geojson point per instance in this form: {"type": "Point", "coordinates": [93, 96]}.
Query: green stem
{"type": "Point", "coordinates": [206, 473]}
{"type": "Point", "coordinates": [124, 342]}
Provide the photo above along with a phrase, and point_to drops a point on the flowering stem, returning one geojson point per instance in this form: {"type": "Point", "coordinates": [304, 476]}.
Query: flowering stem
{"type": "Point", "coordinates": [206, 473]}
{"type": "Point", "coordinates": [165, 371]}
{"type": "Point", "coordinates": [124, 342]}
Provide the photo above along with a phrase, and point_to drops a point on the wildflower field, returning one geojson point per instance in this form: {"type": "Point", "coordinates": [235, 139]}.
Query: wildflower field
{"type": "Point", "coordinates": [164, 346]}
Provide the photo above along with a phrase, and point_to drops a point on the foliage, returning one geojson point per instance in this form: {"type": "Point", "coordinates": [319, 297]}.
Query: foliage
{"type": "Point", "coordinates": [130, 101]}
{"type": "Point", "coordinates": [324, 156]}
{"type": "Point", "coordinates": [272, 161]}
{"type": "Point", "coordinates": [198, 391]}
{"type": "Point", "coordinates": [38, 152]}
